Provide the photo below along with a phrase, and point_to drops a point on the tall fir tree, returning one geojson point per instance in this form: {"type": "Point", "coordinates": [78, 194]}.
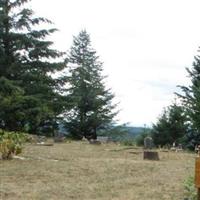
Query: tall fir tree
{"type": "Point", "coordinates": [191, 100]}
{"type": "Point", "coordinates": [32, 101]}
{"type": "Point", "coordinates": [91, 103]}
{"type": "Point", "coordinates": [171, 126]}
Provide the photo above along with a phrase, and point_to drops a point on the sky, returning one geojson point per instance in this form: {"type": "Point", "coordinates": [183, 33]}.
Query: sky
{"type": "Point", "coordinates": [145, 46]}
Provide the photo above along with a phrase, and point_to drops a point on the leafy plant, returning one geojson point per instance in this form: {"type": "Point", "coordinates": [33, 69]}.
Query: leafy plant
{"type": "Point", "coordinates": [128, 142]}
{"type": "Point", "coordinates": [11, 143]}
{"type": "Point", "coordinates": [140, 138]}
{"type": "Point", "coordinates": [171, 126]}
{"type": "Point", "coordinates": [190, 188]}
{"type": "Point", "coordinates": [30, 98]}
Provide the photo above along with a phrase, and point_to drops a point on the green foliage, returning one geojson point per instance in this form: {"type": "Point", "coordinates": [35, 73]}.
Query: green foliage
{"type": "Point", "coordinates": [130, 142]}
{"type": "Point", "coordinates": [29, 97]}
{"type": "Point", "coordinates": [191, 191]}
{"type": "Point", "coordinates": [91, 107]}
{"type": "Point", "coordinates": [140, 138]}
{"type": "Point", "coordinates": [171, 126]}
{"type": "Point", "coordinates": [11, 143]}
{"type": "Point", "coordinates": [191, 100]}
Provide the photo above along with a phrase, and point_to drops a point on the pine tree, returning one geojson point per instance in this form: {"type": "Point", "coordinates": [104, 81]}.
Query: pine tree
{"type": "Point", "coordinates": [91, 104]}
{"type": "Point", "coordinates": [171, 126]}
{"type": "Point", "coordinates": [191, 100]}
{"type": "Point", "coordinates": [25, 65]}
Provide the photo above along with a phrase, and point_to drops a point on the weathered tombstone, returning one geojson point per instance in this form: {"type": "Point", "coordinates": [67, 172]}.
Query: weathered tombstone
{"type": "Point", "coordinates": [151, 155]}
{"type": "Point", "coordinates": [196, 149]}
{"type": "Point", "coordinates": [148, 154]}
{"type": "Point", "coordinates": [102, 139]}
{"type": "Point", "coordinates": [179, 148]}
{"type": "Point", "coordinates": [84, 139]}
{"type": "Point", "coordinates": [59, 137]}
{"type": "Point", "coordinates": [148, 143]}
{"type": "Point", "coordinates": [42, 139]}
{"type": "Point", "coordinates": [92, 141]}
{"type": "Point", "coordinates": [173, 147]}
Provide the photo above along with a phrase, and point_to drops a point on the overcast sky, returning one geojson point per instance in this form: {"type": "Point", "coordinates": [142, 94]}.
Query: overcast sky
{"type": "Point", "coordinates": [145, 46]}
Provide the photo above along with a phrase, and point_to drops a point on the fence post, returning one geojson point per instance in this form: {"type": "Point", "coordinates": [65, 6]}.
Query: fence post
{"type": "Point", "coordinates": [197, 177]}
{"type": "Point", "coordinates": [198, 194]}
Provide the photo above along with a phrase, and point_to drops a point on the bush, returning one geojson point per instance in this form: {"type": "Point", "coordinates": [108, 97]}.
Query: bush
{"type": "Point", "coordinates": [128, 142]}
{"type": "Point", "coordinates": [11, 144]}
{"type": "Point", "coordinates": [190, 189]}
{"type": "Point", "coordinates": [140, 138]}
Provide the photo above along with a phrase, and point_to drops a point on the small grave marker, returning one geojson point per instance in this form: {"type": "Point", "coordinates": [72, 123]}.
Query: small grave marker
{"type": "Point", "coordinates": [148, 143]}
{"type": "Point", "coordinates": [148, 153]}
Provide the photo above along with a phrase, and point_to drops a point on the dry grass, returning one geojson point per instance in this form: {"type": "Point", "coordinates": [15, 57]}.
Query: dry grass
{"type": "Point", "coordinates": [82, 171]}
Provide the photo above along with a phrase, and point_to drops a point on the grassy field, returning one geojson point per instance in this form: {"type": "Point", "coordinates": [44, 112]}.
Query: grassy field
{"type": "Point", "coordinates": [82, 171]}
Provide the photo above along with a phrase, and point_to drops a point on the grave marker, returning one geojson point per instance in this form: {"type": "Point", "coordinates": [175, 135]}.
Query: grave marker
{"type": "Point", "coordinates": [148, 143]}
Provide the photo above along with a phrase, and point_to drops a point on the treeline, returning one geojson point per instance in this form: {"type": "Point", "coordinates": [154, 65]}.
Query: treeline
{"type": "Point", "coordinates": [32, 99]}
{"type": "Point", "coordinates": [180, 122]}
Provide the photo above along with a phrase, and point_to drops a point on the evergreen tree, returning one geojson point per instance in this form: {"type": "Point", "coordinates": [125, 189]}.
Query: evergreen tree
{"type": "Point", "coordinates": [91, 106]}
{"type": "Point", "coordinates": [171, 126]}
{"type": "Point", "coordinates": [25, 68]}
{"type": "Point", "coordinates": [191, 100]}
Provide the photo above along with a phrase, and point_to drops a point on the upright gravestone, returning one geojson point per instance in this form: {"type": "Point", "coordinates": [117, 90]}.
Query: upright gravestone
{"type": "Point", "coordinates": [59, 137]}
{"type": "Point", "coordinates": [148, 143]}
{"type": "Point", "coordinates": [148, 153]}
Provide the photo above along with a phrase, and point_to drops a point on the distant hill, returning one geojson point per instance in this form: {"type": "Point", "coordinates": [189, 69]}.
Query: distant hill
{"type": "Point", "coordinates": [117, 132]}
{"type": "Point", "coordinates": [122, 132]}
{"type": "Point", "coordinates": [134, 131]}
{"type": "Point", "coordinates": [131, 132]}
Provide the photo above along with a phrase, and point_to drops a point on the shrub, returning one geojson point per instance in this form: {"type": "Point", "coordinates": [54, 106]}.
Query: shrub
{"type": "Point", "coordinates": [11, 144]}
{"type": "Point", "coordinates": [190, 189]}
{"type": "Point", "coordinates": [140, 138]}
{"type": "Point", "coordinates": [128, 142]}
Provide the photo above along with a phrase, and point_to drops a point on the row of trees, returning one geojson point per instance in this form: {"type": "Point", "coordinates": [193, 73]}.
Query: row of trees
{"type": "Point", "coordinates": [181, 122]}
{"type": "Point", "coordinates": [171, 126]}
{"type": "Point", "coordinates": [33, 100]}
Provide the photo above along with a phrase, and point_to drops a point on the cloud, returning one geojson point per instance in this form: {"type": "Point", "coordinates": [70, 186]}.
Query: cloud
{"type": "Point", "coordinates": [145, 46]}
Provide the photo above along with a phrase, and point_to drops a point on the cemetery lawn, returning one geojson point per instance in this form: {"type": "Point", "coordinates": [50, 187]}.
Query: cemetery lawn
{"type": "Point", "coordinates": [82, 171]}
